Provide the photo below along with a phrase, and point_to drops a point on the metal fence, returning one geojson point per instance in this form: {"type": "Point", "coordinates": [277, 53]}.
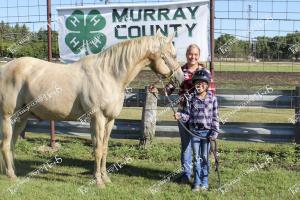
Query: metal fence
{"type": "Point", "coordinates": [250, 35]}
{"type": "Point", "coordinates": [257, 43]}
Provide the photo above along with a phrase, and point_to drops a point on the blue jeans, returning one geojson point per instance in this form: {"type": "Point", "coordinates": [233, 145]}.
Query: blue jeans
{"type": "Point", "coordinates": [201, 158]}
{"type": "Point", "coordinates": [186, 151]}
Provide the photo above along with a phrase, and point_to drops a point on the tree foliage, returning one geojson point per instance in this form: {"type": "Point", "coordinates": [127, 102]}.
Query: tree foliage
{"type": "Point", "coordinates": [266, 48]}
{"type": "Point", "coordinates": [18, 40]}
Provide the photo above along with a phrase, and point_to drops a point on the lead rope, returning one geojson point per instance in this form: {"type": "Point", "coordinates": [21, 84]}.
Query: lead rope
{"type": "Point", "coordinates": [215, 149]}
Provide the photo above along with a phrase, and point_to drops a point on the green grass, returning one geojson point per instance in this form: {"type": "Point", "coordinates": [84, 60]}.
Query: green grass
{"type": "Point", "coordinates": [149, 167]}
{"type": "Point", "coordinates": [257, 67]}
{"type": "Point", "coordinates": [251, 115]}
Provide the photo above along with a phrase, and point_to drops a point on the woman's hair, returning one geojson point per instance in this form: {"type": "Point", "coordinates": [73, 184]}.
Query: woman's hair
{"type": "Point", "coordinates": [192, 46]}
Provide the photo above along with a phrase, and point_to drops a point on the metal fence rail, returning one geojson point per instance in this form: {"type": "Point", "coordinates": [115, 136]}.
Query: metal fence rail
{"type": "Point", "coordinates": [226, 98]}
{"type": "Point", "coordinates": [131, 129]}
{"type": "Point", "coordinates": [257, 43]}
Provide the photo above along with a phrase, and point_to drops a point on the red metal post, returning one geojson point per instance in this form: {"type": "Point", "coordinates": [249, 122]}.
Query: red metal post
{"type": "Point", "coordinates": [212, 41]}
{"type": "Point", "coordinates": [52, 124]}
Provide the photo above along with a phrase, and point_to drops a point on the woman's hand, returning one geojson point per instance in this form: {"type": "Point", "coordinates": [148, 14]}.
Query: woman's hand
{"type": "Point", "coordinates": [153, 89]}
{"type": "Point", "coordinates": [177, 116]}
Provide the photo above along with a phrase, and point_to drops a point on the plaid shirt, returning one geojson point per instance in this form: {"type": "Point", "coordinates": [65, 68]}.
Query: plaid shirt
{"type": "Point", "coordinates": [187, 85]}
{"type": "Point", "coordinates": [202, 113]}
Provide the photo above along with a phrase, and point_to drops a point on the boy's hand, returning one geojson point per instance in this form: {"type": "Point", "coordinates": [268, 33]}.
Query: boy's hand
{"type": "Point", "coordinates": [153, 89]}
{"type": "Point", "coordinates": [177, 116]}
{"type": "Point", "coordinates": [213, 136]}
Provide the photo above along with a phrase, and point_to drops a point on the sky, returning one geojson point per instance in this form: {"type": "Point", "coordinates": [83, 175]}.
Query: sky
{"type": "Point", "coordinates": [231, 15]}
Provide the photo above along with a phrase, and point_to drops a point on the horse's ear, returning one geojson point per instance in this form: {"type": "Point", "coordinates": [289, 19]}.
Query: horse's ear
{"type": "Point", "coordinates": [158, 33]}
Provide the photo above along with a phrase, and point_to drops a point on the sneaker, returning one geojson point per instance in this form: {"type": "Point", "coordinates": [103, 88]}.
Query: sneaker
{"type": "Point", "coordinates": [204, 188]}
{"type": "Point", "coordinates": [196, 188]}
{"type": "Point", "coordinates": [185, 180]}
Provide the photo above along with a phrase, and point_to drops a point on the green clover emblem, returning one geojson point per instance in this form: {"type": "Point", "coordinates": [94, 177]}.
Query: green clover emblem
{"type": "Point", "coordinates": [85, 32]}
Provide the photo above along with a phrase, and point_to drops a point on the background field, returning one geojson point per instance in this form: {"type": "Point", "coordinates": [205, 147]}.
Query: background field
{"type": "Point", "coordinates": [150, 167]}
{"type": "Point", "coordinates": [258, 66]}
{"type": "Point", "coordinates": [234, 75]}
{"type": "Point", "coordinates": [244, 115]}
{"type": "Point", "coordinates": [240, 75]}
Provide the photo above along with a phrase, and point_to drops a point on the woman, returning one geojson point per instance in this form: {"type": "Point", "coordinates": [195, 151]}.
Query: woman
{"type": "Point", "coordinates": [192, 65]}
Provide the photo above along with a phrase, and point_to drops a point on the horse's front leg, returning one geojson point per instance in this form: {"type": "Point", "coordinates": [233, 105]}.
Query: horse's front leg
{"type": "Point", "coordinates": [108, 129]}
{"type": "Point", "coordinates": [5, 144]}
{"type": "Point", "coordinates": [98, 130]}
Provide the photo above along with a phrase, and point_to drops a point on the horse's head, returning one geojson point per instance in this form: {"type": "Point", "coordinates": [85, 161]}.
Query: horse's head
{"type": "Point", "coordinates": [163, 58]}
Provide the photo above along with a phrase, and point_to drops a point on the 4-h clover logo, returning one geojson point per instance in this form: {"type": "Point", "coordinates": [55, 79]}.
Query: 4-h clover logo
{"type": "Point", "coordinates": [85, 32]}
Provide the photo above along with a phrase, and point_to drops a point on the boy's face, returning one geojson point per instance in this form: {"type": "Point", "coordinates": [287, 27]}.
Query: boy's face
{"type": "Point", "coordinates": [201, 86]}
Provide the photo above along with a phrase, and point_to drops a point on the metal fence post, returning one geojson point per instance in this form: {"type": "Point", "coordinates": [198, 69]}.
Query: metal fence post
{"type": "Point", "coordinates": [212, 42]}
{"type": "Point", "coordinates": [297, 115]}
{"type": "Point", "coordinates": [52, 124]}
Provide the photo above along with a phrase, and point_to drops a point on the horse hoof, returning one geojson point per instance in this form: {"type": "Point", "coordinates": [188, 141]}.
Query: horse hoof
{"type": "Point", "coordinates": [12, 177]}
{"type": "Point", "coordinates": [106, 179]}
{"type": "Point", "coordinates": [100, 184]}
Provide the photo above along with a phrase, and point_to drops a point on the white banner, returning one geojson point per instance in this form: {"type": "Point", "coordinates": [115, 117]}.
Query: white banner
{"type": "Point", "coordinates": [89, 30]}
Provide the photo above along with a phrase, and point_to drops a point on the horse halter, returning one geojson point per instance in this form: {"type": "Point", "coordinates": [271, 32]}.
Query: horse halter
{"type": "Point", "coordinates": [169, 62]}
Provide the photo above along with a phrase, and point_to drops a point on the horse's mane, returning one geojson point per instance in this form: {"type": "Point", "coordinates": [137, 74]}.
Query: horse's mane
{"type": "Point", "coordinates": [117, 58]}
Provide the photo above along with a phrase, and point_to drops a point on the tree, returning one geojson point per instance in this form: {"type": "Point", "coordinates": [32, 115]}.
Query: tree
{"type": "Point", "coordinates": [230, 46]}
{"type": "Point", "coordinates": [262, 47]}
{"type": "Point", "coordinates": [16, 31]}
{"type": "Point", "coordinates": [24, 30]}
{"type": "Point", "coordinates": [277, 44]}
{"type": "Point", "coordinates": [42, 35]}
{"type": "Point", "coordinates": [293, 45]}
{"type": "Point", "coordinates": [2, 28]}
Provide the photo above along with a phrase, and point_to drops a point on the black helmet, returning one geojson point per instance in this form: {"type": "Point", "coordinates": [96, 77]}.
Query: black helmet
{"type": "Point", "coordinates": [201, 75]}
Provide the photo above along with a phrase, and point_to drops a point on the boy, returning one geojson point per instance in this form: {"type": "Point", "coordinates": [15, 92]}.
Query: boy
{"type": "Point", "coordinates": [201, 113]}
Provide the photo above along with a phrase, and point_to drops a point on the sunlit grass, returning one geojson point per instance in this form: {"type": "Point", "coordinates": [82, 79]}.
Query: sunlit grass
{"type": "Point", "coordinates": [251, 115]}
{"type": "Point", "coordinates": [258, 66]}
{"type": "Point", "coordinates": [150, 167]}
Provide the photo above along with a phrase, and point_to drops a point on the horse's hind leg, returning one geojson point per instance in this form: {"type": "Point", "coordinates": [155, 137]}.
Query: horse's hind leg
{"type": "Point", "coordinates": [2, 162]}
{"type": "Point", "coordinates": [19, 127]}
{"type": "Point", "coordinates": [108, 129]}
{"type": "Point", "coordinates": [6, 146]}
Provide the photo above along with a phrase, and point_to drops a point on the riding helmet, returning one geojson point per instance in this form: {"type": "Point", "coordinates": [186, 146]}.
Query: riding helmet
{"type": "Point", "coordinates": [201, 75]}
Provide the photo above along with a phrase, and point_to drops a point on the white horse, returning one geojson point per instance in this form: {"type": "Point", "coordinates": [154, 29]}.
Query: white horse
{"type": "Point", "coordinates": [94, 82]}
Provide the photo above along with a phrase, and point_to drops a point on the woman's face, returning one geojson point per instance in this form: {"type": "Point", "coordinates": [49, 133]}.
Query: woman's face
{"type": "Point", "coordinates": [192, 56]}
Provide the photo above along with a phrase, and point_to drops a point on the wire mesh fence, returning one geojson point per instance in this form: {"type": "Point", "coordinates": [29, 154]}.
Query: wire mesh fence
{"type": "Point", "coordinates": [257, 44]}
